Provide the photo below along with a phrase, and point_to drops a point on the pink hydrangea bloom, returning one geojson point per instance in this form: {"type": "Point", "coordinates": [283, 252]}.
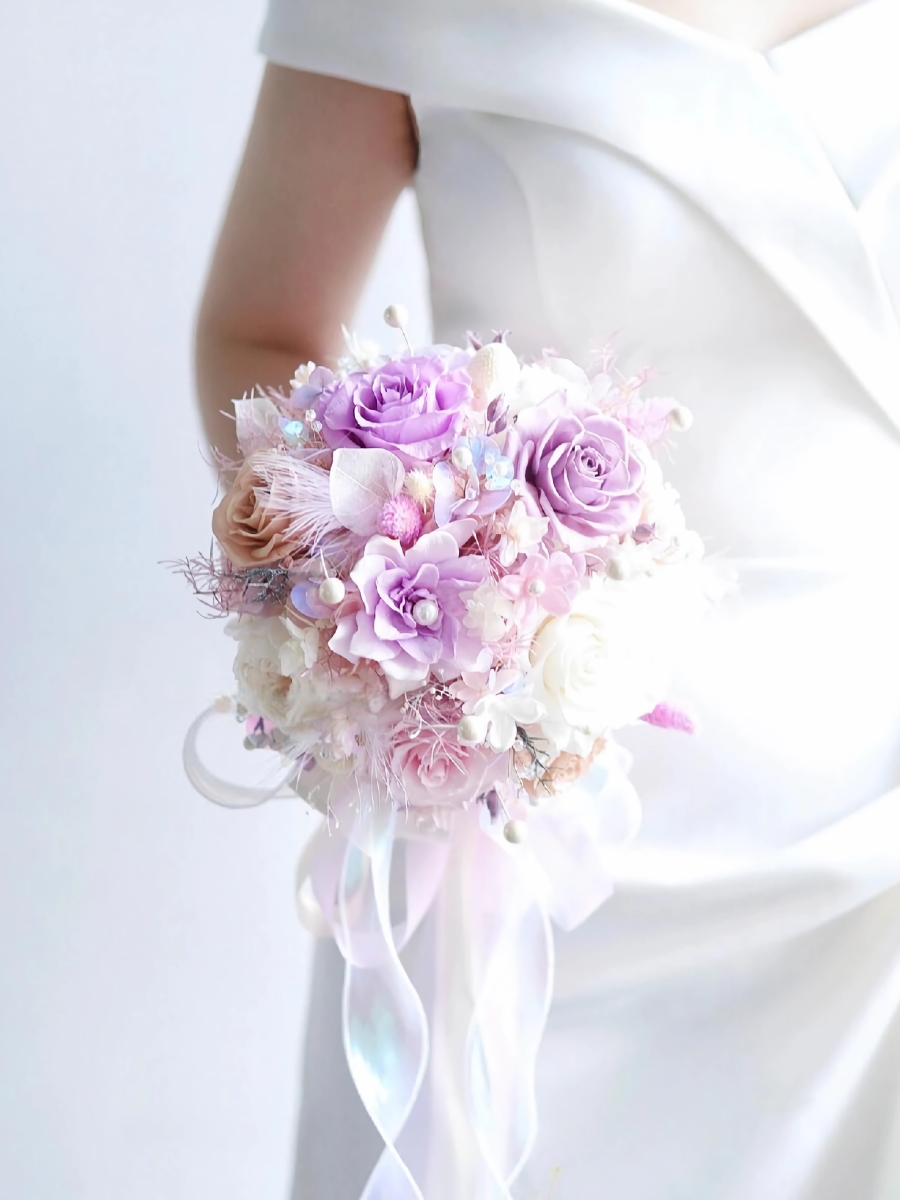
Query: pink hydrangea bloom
{"type": "Point", "coordinates": [550, 583]}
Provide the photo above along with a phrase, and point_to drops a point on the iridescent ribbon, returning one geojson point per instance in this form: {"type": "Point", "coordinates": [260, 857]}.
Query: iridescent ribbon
{"type": "Point", "coordinates": [494, 970]}
{"type": "Point", "coordinates": [512, 963]}
{"type": "Point", "coordinates": [384, 1024]}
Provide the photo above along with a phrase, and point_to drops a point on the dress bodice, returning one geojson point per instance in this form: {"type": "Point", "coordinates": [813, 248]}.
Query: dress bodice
{"type": "Point", "coordinates": [591, 169]}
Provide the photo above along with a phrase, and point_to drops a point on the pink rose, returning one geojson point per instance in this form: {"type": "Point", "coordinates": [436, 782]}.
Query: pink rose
{"type": "Point", "coordinates": [434, 771]}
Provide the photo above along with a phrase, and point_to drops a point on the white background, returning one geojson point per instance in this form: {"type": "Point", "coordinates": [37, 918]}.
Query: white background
{"type": "Point", "coordinates": [153, 968]}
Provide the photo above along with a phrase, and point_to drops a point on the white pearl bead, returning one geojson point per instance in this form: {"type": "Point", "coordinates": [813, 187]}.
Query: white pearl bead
{"type": "Point", "coordinates": [396, 316]}
{"type": "Point", "coordinates": [470, 730]}
{"type": "Point", "coordinates": [461, 458]}
{"type": "Point", "coordinates": [536, 587]}
{"type": "Point", "coordinates": [515, 832]}
{"type": "Point", "coordinates": [332, 592]}
{"type": "Point", "coordinates": [681, 418]}
{"type": "Point", "coordinates": [425, 612]}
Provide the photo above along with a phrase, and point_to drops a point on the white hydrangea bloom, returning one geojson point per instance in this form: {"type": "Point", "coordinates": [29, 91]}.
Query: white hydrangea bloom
{"type": "Point", "coordinates": [489, 614]}
{"type": "Point", "coordinates": [263, 687]}
{"type": "Point", "coordinates": [521, 533]}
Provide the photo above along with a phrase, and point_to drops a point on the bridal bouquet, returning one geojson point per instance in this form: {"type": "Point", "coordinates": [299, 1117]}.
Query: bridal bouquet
{"type": "Point", "coordinates": [451, 576]}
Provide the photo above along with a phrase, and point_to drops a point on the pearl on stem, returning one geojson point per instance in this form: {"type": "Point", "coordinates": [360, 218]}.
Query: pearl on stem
{"type": "Point", "coordinates": [681, 418]}
{"type": "Point", "coordinates": [332, 591]}
{"type": "Point", "coordinates": [396, 316]}
{"type": "Point", "coordinates": [515, 832]}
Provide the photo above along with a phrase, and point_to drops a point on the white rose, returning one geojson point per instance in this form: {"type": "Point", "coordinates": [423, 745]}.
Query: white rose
{"type": "Point", "coordinates": [607, 662]}
{"type": "Point", "coordinates": [539, 381]}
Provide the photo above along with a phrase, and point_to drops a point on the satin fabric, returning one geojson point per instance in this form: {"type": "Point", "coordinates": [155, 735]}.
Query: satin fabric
{"type": "Point", "coordinates": [727, 1025]}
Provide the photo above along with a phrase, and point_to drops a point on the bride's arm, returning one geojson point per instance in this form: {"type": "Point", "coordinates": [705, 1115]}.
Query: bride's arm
{"type": "Point", "coordinates": [324, 163]}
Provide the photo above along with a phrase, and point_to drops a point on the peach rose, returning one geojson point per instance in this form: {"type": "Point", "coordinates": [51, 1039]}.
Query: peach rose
{"type": "Point", "coordinates": [249, 533]}
{"type": "Point", "coordinates": [565, 770]}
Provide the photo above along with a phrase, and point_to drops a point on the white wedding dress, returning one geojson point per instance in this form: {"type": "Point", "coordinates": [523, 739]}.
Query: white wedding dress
{"type": "Point", "coordinates": [727, 1026]}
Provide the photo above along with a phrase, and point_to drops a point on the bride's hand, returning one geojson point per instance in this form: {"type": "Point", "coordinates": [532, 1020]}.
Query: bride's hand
{"type": "Point", "coordinates": [324, 163]}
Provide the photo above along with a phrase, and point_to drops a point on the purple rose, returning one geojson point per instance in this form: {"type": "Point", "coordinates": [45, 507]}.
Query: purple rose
{"type": "Point", "coordinates": [410, 619]}
{"type": "Point", "coordinates": [579, 470]}
{"type": "Point", "coordinates": [412, 407]}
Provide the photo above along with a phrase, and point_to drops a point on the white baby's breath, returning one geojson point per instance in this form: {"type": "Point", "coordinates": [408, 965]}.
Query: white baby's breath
{"type": "Point", "coordinates": [300, 650]}
{"type": "Point", "coordinates": [361, 354]}
{"type": "Point", "coordinates": [302, 374]}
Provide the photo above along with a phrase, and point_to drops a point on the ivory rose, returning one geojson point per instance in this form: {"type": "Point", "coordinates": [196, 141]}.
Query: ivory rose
{"type": "Point", "coordinates": [249, 533]}
{"type": "Point", "coordinates": [604, 664]}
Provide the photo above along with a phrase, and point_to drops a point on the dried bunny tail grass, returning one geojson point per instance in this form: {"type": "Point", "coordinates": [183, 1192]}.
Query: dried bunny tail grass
{"type": "Point", "coordinates": [301, 491]}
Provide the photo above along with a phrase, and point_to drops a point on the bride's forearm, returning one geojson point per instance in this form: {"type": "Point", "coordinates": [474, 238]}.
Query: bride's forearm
{"type": "Point", "coordinates": [324, 164]}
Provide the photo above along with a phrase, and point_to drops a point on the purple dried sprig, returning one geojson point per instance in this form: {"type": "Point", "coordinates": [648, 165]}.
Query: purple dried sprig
{"type": "Point", "coordinates": [497, 416]}
{"type": "Point", "coordinates": [492, 802]}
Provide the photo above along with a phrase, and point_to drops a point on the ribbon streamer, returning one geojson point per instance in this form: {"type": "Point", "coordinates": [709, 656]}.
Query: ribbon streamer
{"type": "Point", "coordinates": [512, 947]}
{"type": "Point", "coordinates": [384, 1024]}
{"type": "Point", "coordinates": [494, 957]}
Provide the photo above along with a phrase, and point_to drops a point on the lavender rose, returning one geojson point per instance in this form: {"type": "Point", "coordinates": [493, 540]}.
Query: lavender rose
{"type": "Point", "coordinates": [578, 470]}
{"type": "Point", "coordinates": [412, 407]}
{"type": "Point", "coordinates": [410, 619]}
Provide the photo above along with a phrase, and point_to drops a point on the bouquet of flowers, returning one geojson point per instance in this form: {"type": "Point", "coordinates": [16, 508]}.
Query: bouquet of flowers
{"type": "Point", "coordinates": [452, 576]}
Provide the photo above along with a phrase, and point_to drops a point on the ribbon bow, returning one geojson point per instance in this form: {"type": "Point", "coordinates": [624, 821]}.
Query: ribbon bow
{"type": "Point", "coordinates": [369, 878]}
